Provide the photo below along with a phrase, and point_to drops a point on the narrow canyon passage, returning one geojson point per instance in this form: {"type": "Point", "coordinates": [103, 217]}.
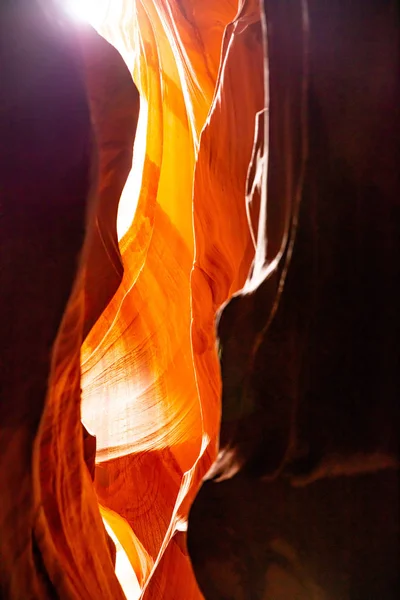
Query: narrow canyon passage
{"type": "Point", "coordinates": [199, 248]}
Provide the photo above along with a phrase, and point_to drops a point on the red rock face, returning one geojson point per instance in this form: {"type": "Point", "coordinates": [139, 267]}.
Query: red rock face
{"type": "Point", "coordinates": [53, 542]}
{"type": "Point", "coordinates": [310, 411]}
{"type": "Point", "coordinates": [224, 307]}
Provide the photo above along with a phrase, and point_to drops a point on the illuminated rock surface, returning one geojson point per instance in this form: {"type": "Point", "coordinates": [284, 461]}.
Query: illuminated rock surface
{"type": "Point", "coordinates": [277, 177]}
{"type": "Point", "coordinates": [310, 354]}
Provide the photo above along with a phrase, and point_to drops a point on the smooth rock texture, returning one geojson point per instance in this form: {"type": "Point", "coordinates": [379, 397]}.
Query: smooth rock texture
{"type": "Point", "coordinates": [52, 540]}
{"type": "Point", "coordinates": [309, 350]}
{"type": "Point", "coordinates": [205, 288]}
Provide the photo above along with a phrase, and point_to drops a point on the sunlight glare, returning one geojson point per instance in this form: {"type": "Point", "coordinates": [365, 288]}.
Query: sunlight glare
{"type": "Point", "coordinates": [90, 11]}
{"type": "Point", "coordinates": [131, 192]}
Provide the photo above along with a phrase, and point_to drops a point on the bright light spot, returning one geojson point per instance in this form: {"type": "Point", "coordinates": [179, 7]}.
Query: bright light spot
{"type": "Point", "coordinates": [100, 14]}
{"type": "Point", "coordinates": [130, 195]}
{"type": "Point", "coordinates": [91, 11]}
{"type": "Point", "coordinates": [123, 568]}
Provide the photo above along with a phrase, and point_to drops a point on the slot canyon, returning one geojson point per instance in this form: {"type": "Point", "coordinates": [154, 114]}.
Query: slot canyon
{"type": "Point", "coordinates": [199, 299]}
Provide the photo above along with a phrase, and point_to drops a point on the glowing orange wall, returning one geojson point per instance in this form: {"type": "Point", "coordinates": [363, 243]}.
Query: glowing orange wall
{"type": "Point", "coordinates": [151, 381]}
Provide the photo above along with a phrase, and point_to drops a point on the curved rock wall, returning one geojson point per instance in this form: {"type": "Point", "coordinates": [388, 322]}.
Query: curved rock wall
{"type": "Point", "coordinates": [253, 259]}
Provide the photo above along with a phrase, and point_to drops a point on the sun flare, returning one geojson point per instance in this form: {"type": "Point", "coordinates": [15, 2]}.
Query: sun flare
{"type": "Point", "coordinates": [90, 11]}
